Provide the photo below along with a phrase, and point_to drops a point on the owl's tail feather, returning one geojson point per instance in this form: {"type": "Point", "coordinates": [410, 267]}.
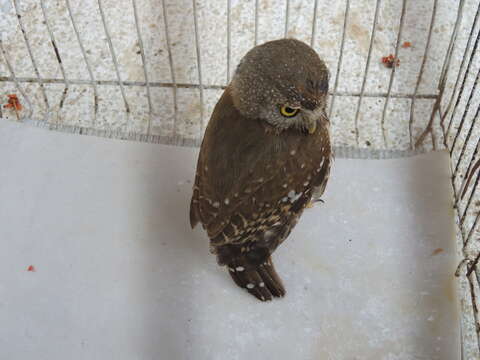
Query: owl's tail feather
{"type": "Point", "coordinates": [260, 280]}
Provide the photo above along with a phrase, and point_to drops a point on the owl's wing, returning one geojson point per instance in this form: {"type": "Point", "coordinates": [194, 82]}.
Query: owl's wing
{"type": "Point", "coordinates": [246, 178]}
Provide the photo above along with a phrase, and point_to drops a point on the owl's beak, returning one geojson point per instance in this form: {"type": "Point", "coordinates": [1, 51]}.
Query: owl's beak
{"type": "Point", "coordinates": [311, 119]}
{"type": "Point", "coordinates": [311, 125]}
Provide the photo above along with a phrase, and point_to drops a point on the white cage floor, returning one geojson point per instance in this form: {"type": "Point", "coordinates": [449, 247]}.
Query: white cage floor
{"type": "Point", "coordinates": [119, 274]}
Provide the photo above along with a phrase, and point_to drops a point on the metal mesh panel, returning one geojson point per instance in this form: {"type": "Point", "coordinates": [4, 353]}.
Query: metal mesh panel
{"type": "Point", "coordinates": [458, 108]}
{"type": "Point", "coordinates": [156, 76]}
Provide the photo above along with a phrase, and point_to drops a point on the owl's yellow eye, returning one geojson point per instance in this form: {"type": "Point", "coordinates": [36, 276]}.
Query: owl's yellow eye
{"type": "Point", "coordinates": [287, 111]}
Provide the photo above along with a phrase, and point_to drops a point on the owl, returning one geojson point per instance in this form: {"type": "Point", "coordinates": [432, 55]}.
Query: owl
{"type": "Point", "coordinates": [264, 157]}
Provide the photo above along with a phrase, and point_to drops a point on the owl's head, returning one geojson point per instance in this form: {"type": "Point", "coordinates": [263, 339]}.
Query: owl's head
{"type": "Point", "coordinates": [283, 82]}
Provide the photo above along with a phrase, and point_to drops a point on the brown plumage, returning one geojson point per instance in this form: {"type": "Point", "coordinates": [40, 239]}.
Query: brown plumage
{"type": "Point", "coordinates": [259, 165]}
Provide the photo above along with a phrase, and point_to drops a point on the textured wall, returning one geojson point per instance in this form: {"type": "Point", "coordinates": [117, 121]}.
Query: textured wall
{"type": "Point", "coordinates": [149, 45]}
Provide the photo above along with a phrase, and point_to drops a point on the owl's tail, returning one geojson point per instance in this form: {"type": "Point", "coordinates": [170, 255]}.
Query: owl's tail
{"type": "Point", "coordinates": [260, 280]}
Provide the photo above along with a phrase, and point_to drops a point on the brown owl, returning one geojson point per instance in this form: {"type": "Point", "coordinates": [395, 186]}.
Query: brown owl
{"type": "Point", "coordinates": [265, 154]}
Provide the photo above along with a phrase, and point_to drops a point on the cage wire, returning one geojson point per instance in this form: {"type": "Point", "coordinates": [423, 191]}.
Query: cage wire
{"type": "Point", "coordinates": [152, 70]}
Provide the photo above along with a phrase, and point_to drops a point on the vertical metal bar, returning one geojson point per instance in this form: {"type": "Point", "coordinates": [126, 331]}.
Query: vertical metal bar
{"type": "Point", "coordinates": [420, 73]}
{"type": "Point", "coordinates": [314, 24]}
{"type": "Point", "coordinates": [144, 63]}
{"type": "Point", "coordinates": [451, 45]}
{"type": "Point", "coordinates": [256, 23]}
{"type": "Point", "coordinates": [467, 139]}
{"type": "Point", "coordinates": [475, 304]}
{"type": "Point", "coordinates": [392, 74]}
{"type": "Point", "coordinates": [472, 230]}
{"type": "Point", "coordinates": [229, 6]}
{"type": "Point", "coordinates": [172, 69]}
{"type": "Point", "coordinates": [470, 198]}
{"type": "Point", "coordinates": [342, 46]}
{"type": "Point", "coordinates": [446, 67]}
{"type": "Point", "coordinates": [287, 15]}
{"type": "Point", "coordinates": [471, 163]}
{"type": "Point", "coordinates": [114, 57]}
{"type": "Point", "coordinates": [199, 63]}
{"type": "Point", "coordinates": [15, 80]}
{"type": "Point", "coordinates": [32, 58]}
{"type": "Point", "coordinates": [57, 55]}
{"type": "Point", "coordinates": [434, 141]}
{"type": "Point", "coordinates": [467, 107]}
{"type": "Point", "coordinates": [87, 63]}
{"type": "Point", "coordinates": [462, 86]}
{"type": "Point", "coordinates": [367, 65]}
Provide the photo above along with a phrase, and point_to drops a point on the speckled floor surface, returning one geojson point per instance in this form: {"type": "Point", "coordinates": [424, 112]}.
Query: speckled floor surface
{"type": "Point", "coordinates": [118, 272]}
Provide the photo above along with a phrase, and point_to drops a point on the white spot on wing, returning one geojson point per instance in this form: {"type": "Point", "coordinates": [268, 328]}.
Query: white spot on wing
{"type": "Point", "coordinates": [227, 201]}
{"type": "Point", "coordinates": [239, 268]}
{"type": "Point", "coordinates": [293, 196]}
{"type": "Point", "coordinates": [268, 234]}
{"type": "Point", "coordinates": [250, 286]}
